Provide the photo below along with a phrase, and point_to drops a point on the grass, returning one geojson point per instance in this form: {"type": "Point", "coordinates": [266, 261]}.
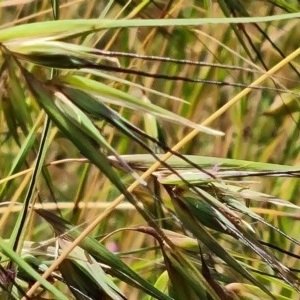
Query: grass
{"type": "Point", "coordinates": [149, 150]}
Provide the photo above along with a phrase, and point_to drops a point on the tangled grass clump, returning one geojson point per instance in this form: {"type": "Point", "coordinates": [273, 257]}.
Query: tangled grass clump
{"type": "Point", "coordinates": [160, 143]}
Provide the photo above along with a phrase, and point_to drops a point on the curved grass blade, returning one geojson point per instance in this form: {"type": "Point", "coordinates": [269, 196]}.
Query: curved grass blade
{"type": "Point", "coordinates": [44, 52]}
{"type": "Point", "coordinates": [75, 125]}
{"type": "Point", "coordinates": [101, 254]}
{"type": "Point", "coordinates": [187, 282]}
{"type": "Point", "coordinates": [92, 105]}
{"type": "Point", "coordinates": [85, 277]}
{"type": "Point", "coordinates": [194, 224]}
{"type": "Point", "coordinates": [98, 110]}
{"type": "Point", "coordinates": [161, 283]}
{"type": "Point", "coordinates": [183, 285]}
{"type": "Point", "coordinates": [231, 224]}
{"type": "Point", "coordinates": [27, 268]}
{"type": "Point", "coordinates": [80, 120]}
{"type": "Point", "coordinates": [81, 284]}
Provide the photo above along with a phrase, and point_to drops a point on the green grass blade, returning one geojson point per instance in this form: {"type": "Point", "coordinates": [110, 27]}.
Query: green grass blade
{"type": "Point", "coordinates": [111, 95]}
{"type": "Point", "coordinates": [101, 254]}
{"type": "Point", "coordinates": [192, 223]}
{"type": "Point", "coordinates": [51, 28]}
{"type": "Point", "coordinates": [143, 161]}
{"type": "Point", "coordinates": [27, 268]}
{"type": "Point", "coordinates": [21, 156]}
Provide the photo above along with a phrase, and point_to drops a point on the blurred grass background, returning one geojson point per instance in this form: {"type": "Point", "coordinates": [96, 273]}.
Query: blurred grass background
{"type": "Point", "coordinates": [253, 130]}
